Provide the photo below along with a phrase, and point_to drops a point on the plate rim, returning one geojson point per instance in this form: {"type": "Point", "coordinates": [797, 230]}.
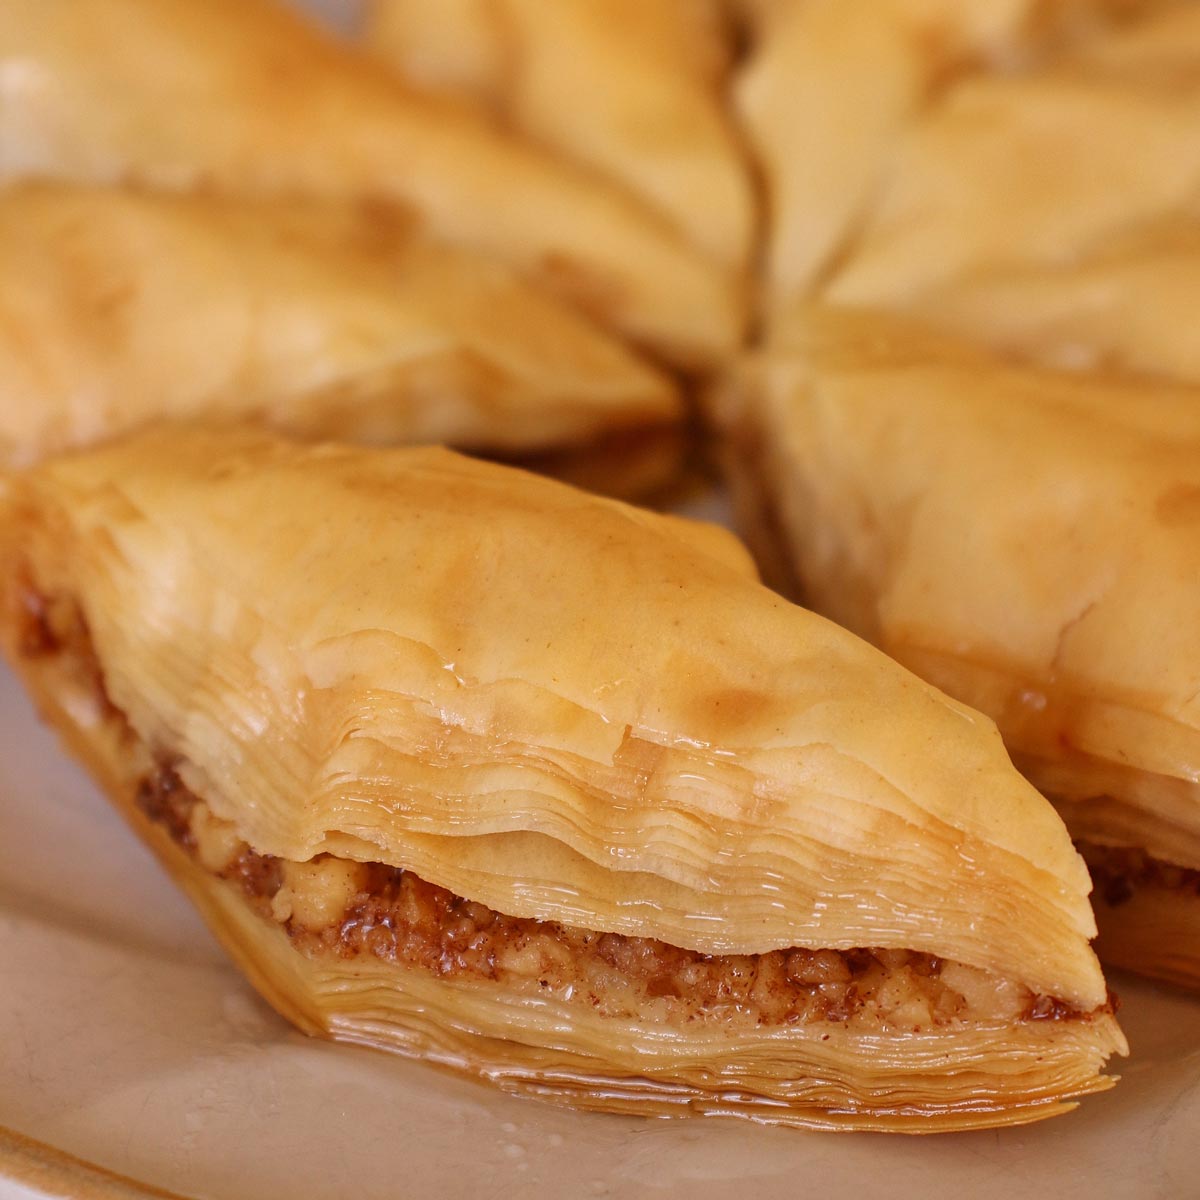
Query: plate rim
{"type": "Point", "coordinates": [46, 1168]}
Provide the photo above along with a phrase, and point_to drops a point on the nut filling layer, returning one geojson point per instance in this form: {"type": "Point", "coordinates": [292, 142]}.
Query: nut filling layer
{"type": "Point", "coordinates": [333, 906]}
{"type": "Point", "coordinates": [1121, 872]}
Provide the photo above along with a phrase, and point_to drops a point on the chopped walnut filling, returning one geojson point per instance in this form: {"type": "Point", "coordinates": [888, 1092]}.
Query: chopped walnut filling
{"type": "Point", "coordinates": [334, 906]}
{"type": "Point", "coordinates": [1120, 872]}
{"type": "Point", "coordinates": [53, 627]}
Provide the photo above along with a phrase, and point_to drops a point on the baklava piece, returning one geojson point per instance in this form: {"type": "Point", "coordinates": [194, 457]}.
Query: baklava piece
{"type": "Point", "coordinates": [465, 764]}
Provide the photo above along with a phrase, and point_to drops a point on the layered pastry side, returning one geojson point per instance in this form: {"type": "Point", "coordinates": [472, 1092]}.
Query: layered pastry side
{"type": "Point", "coordinates": [431, 924]}
{"type": "Point", "coordinates": [1001, 529]}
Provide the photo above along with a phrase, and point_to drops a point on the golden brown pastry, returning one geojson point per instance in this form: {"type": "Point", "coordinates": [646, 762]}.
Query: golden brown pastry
{"type": "Point", "coordinates": [244, 96]}
{"type": "Point", "coordinates": [634, 90]}
{"type": "Point", "coordinates": [119, 308]}
{"type": "Point", "coordinates": [906, 142]}
{"type": "Point", "coordinates": [469, 765]}
{"type": "Point", "coordinates": [1026, 540]}
{"type": "Point", "coordinates": [1037, 168]}
{"type": "Point", "coordinates": [1125, 305]}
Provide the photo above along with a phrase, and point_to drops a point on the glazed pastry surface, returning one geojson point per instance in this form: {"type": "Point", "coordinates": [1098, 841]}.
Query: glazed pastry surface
{"type": "Point", "coordinates": [1001, 529]}
{"type": "Point", "coordinates": [118, 308]}
{"type": "Point", "coordinates": [645, 84]}
{"type": "Point", "coordinates": [1039, 169]}
{"type": "Point", "coordinates": [1024, 173]}
{"type": "Point", "coordinates": [1122, 306]}
{"type": "Point", "coordinates": [244, 96]}
{"type": "Point", "coordinates": [565, 712]}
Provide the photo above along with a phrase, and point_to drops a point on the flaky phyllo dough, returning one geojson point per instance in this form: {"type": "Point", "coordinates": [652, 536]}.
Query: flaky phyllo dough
{"type": "Point", "coordinates": [1024, 539]}
{"type": "Point", "coordinates": [464, 764]}
{"type": "Point", "coordinates": [119, 308]}
{"type": "Point", "coordinates": [245, 96]}
{"type": "Point", "coordinates": [1025, 171]}
{"type": "Point", "coordinates": [632, 90]}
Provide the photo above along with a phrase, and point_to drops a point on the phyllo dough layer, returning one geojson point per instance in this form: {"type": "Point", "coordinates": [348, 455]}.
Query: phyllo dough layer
{"type": "Point", "coordinates": [645, 82]}
{"type": "Point", "coordinates": [118, 308]}
{"type": "Point", "coordinates": [1021, 537]}
{"type": "Point", "coordinates": [245, 96]}
{"type": "Point", "coordinates": [835, 96]}
{"type": "Point", "coordinates": [1037, 168]}
{"type": "Point", "coordinates": [1026, 171]}
{"type": "Point", "coordinates": [464, 763]}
